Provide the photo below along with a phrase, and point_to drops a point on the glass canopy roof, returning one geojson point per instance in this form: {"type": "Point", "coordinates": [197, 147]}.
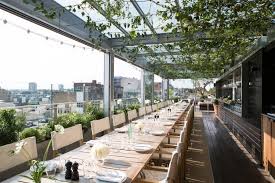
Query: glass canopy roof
{"type": "Point", "coordinates": [189, 34]}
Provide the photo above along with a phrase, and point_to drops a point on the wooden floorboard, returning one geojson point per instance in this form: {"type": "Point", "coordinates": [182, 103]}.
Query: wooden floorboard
{"type": "Point", "coordinates": [229, 163]}
{"type": "Point", "coordinates": [198, 167]}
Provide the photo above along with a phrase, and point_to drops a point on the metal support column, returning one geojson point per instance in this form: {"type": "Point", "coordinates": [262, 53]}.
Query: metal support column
{"type": "Point", "coordinates": [149, 86]}
{"type": "Point", "coordinates": [142, 88]}
{"type": "Point", "coordinates": [234, 86]}
{"type": "Point", "coordinates": [167, 90]}
{"type": "Point", "coordinates": [153, 90]}
{"type": "Point", "coordinates": [108, 85]}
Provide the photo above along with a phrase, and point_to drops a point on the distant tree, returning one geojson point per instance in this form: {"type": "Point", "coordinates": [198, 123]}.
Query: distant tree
{"type": "Point", "coordinates": [201, 84]}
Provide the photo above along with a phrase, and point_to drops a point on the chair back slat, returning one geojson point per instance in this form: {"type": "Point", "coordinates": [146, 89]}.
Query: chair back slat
{"type": "Point", "coordinates": [148, 109]}
{"type": "Point", "coordinates": [172, 174]}
{"type": "Point", "coordinates": [100, 125]}
{"type": "Point", "coordinates": [119, 119]}
{"type": "Point", "coordinates": [132, 115]}
{"type": "Point", "coordinates": [9, 161]}
{"type": "Point", "coordinates": [154, 107]}
{"type": "Point", "coordinates": [70, 136]}
{"type": "Point", "coordinates": [141, 111]}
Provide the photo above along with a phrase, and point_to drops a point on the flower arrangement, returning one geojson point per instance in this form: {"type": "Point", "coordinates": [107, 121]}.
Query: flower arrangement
{"type": "Point", "coordinates": [100, 151]}
{"type": "Point", "coordinates": [37, 167]}
{"type": "Point", "coordinates": [139, 126]}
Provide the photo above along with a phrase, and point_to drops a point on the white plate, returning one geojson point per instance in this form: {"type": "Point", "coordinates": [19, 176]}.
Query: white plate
{"type": "Point", "coordinates": [157, 132]}
{"type": "Point", "coordinates": [111, 176]}
{"type": "Point", "coordinates": [121, 130]}
{"type": "Point", "coordinates": [167, 124]}
{"type": "Point", "coordinates": [142, 147]}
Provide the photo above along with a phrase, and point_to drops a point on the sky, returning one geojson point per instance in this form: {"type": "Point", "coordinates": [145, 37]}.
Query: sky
{"type": "Point", "coordinates": [26, 57]}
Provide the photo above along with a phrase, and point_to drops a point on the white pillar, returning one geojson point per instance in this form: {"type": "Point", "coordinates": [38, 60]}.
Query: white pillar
{"type": "Point", "coordinates": [165, 89]}
{"type": "Point", "coordinates": [108, 85]}
{"type": "Point", "coordinates": [142, 88]}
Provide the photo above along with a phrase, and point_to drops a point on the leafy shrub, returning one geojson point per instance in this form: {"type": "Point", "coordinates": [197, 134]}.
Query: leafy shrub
{"type": "Point", "coordinates": [94, 111]}
{"type": "Point", "coordinates": [66, 120]}
{"type": "Point", "coordinates": [41, 134]}
{"type": "Point", "coordinates": [44, 132]}
{"type": "Point", "coordinates": [29, 132]}
{"type": "Point", "coordinates": [10, 126]}
{"type": "Point", "coordinates": [118, 111]}
{"type": "Point", "coordinates": [134, 106]}
{"type": "Point", "coordinates": [71, 119]}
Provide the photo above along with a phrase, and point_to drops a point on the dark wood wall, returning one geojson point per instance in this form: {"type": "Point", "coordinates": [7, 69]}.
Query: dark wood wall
{"type": "Point", "coordinates": [269, 79]}
{"type": "Point", "coordinates": [252, 88]}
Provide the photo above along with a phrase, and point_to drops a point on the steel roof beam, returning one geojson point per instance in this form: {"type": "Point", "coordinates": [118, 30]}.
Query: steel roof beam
{"type": "Point", "coordinates": [159, 54]}
{"type": "Point", "coordinates": [66, 24]}
{"type": "Point", "coordinates": [160, 38]}
{"type": "Point", "coordinates": [146, 21]}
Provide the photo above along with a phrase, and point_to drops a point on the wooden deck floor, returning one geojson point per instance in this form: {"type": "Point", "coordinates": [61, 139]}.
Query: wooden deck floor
{"type": "Point", "coordinates": [198, 167]}
{"type": "Point", "coordinates": [229, 163]}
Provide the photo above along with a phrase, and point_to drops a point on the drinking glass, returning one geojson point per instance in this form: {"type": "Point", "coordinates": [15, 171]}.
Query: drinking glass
{"type": "Point", "coordinates": [50, 168]}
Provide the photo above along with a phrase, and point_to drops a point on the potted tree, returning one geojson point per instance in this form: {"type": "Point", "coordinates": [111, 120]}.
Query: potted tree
{"type": "Point", "coordinates": [215, 104]}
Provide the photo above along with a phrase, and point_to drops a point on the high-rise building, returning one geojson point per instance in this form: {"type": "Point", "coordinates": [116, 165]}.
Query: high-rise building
{"type": "Point", "coordinates": [32, 87]}
{"type": "Point", "coordinates": [130, 87]}
{"type": "Point", "coordinates": [92, 91]}
{"type": "Point", "coordinates": [61, 87]}
{"type": "Point", "coordinates": [157, 89]}
{"type": "Point", "coordinates": [4, 95]}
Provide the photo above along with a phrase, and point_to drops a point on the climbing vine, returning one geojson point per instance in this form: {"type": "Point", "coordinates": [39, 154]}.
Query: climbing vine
{"type": "Point", "coordinates": [216, 32]}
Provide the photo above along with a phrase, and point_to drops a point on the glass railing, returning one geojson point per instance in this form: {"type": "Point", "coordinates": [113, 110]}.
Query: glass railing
{"type": "Point", "coordinates": [37, 115]}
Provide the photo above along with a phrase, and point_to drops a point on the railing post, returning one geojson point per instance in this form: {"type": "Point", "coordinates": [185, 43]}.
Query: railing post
{"type": "Point", "coordinates": [149, 86]}
{"type": "Point", "coordinates": [108, 85]}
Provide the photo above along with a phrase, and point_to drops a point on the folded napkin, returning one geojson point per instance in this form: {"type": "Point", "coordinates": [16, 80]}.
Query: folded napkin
{"type": "Point", "coordinates": [91, 142]}
{"type": "Point", "coordinates": [111, 176]}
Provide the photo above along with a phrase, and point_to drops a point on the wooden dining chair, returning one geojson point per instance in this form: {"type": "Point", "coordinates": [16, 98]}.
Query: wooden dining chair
{"type": "Point", "coordinates": [27, 153]}
{"type": "Point", "coordinates": [154, 107]}
{"type": "Point", "coordinates": [119, 120]}
{"type": "Point", "coordinates": [148, 109]}
{"type": "Point", "coordinates": [100, 126]}
{"type": "Point", "coordinates": [71, 135]}
{"type": "Point", "coordinates": [153, 174]}
{"type": "Point", "coordinates": [141, 111]}
{"type": "Point", "coordinates": [132, 115]}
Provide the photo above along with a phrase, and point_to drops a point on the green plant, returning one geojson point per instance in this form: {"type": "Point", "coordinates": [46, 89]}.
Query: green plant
{"type": "Point", "coordinates": [44, 133]}
{"type": "Point", "coordinates": [216, 101]}
{"type": "Point", "coordinates": [29, 132]}
{"type": "Point", "coordinates": [10, 126]}
{"type": "Point", "coordinates": [66, 120]}
{"type": "Point", "coordinates": [134, 106]}
{"type": "Point", "coordinates": [95, 111]}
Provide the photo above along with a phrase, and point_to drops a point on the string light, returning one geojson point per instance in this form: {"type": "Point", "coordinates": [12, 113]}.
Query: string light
{"type": "Point", "coordinates": [61, 42]}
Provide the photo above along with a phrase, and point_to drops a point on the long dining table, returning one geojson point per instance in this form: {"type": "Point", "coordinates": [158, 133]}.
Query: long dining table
{"type": "Point", "coordinates": [122, 157]}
